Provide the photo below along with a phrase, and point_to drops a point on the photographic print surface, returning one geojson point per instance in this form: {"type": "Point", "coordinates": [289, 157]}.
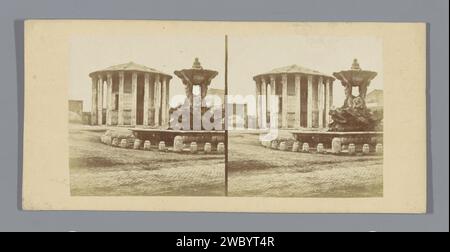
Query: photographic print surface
{"type": "Point", "coordinates": [311, 117]}
{"type": "Point", "coordinates": [124, 96]}
{"type": "Point", "coordinates": [225, 116]}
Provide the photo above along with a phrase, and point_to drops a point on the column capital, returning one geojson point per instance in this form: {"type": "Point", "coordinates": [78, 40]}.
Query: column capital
{"type": "Point", "coordinates": [121, 74]}
{"type": "Point", "coordinates": [284, 77]}
{"type": "Point", "coordinates": [310, 78]}
{"type": "Point", "coordinates": [272, 77]}
{"type": "Point", "coordinates": [109, 75]}
{"type": "Point", "coordinates": [263, 79]}
{"type": "Point", "coordinates": [258, 84]}
{"type": "Point", "coordinates": [297, 77]}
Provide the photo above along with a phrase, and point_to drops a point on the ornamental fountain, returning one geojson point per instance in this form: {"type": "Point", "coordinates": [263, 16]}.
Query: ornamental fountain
{"type": "Point", "coordinates": [189, 130]}
{"type": "Point", "coordinates": [196, 76]}
{"type": "Point", "coordinates": [352, 124]}
{"type": "Point", "coordinates": [354, 115]}
{"type": "Point", "coordinates": [196, 81]}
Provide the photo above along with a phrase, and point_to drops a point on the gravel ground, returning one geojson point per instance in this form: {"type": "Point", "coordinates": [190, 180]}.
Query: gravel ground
{"type": "Point", "coordinates": [257, 171]}
{"type": "Point", "coordinates": [100, 170]}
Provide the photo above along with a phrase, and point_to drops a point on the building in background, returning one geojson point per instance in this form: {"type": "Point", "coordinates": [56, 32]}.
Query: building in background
{"type": "Point", "coordinates": [213, 95]}
{"type": "Point", "coordinates": [240, 115]}
{"type": "Point", "coordinates": [374, 100]}
{"type": "Point", "coordinates": [75, 111]}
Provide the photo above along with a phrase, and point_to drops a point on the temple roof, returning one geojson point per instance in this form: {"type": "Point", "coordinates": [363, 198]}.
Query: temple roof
{"type": "Point", "coordinates": [295, 69]}
{"type": "Point", "coordinates": [131, 66]}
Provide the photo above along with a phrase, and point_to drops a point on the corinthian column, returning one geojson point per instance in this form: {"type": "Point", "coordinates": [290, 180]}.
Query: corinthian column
{"type": "Point", "coordinates": [94, 101]}
{"type": "Point", "coordinates": [258, 102]}
{"type": "Point", "coordinates": [164, 111]}
{"type": "Point", "coordinates": [328, 102]}
{"type": "Point", "coordinates": [310, 102]}
{"type": "Point", "coordinates": [146, 97]}
{"type": "Point", "coordinates": [167, 83]}
{"type": "Point", "coordinates": [157, 98]}
{"type": "Point", "coordinates": [284, 115]}
{"type": "Point", "coordinates": [274, 107]}
{"type": "Point", "coordinates": [100, 101]}
{"type": "Point", "coordinates": [273, 85]}
{"type": "Point", "coordinates": [133, 98]}
{"type": "Point", "coordinates": [263, 103]}
{"type": "Point", "coordinates": [321, 101]}
{"type": "Point", "coordinates": [121, 91]}
{"type": "Point", "coordinates": [273, 91]}
{"type": "Point", "coordinates": [297, 100]}
{"type": "Point", "coordinates": [109, 99]}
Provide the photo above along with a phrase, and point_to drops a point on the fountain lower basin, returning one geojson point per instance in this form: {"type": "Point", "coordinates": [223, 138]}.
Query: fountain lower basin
{"type": "Point", "coordinates": [213, 137]}
{"type": "Point", "coordinates": [166, 140]}
{"type": "Point", "coordinates": [325, 137]}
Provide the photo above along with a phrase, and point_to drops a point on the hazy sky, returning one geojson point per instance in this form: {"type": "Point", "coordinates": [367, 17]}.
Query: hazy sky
{"type": "Point", "coordinates": [248, 56]}
{"type": "Point", "coordinates": [164, 53]}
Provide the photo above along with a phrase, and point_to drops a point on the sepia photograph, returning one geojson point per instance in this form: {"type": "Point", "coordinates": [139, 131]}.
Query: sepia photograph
{"type": "Point", "coordinates": [310, 113]}
{"type": "Point", "coordinates": [225, 116]}
{"type": "Point", "coordinates": [132, 108]}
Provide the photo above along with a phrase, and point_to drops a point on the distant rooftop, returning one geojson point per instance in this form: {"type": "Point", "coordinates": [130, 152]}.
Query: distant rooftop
{"type": "Point", "coordinates": [217, 91]}
{"type": "Point", "coordinates": [294, 69]}
{"type": "Point", "coordinates": [375, 95]}
{"type": "Point", "coordinates": [374, 99]}
{"type": "Point", "coordinates": [376, 91]}
{"type": "Point", "coordinates": [131, 66]}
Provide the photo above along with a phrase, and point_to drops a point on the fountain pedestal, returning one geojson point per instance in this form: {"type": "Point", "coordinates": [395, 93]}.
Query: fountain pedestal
{"type": "Point", "coordinates": [196, 81]}
{"type": "Point", "coordinates": [326, 137]}
{"type": "Point", "coordinates": [354, 115]}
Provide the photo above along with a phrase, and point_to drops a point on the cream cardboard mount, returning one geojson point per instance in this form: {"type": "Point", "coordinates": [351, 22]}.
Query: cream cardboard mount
{"type": "Point", "coordinates": [99, 96]}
